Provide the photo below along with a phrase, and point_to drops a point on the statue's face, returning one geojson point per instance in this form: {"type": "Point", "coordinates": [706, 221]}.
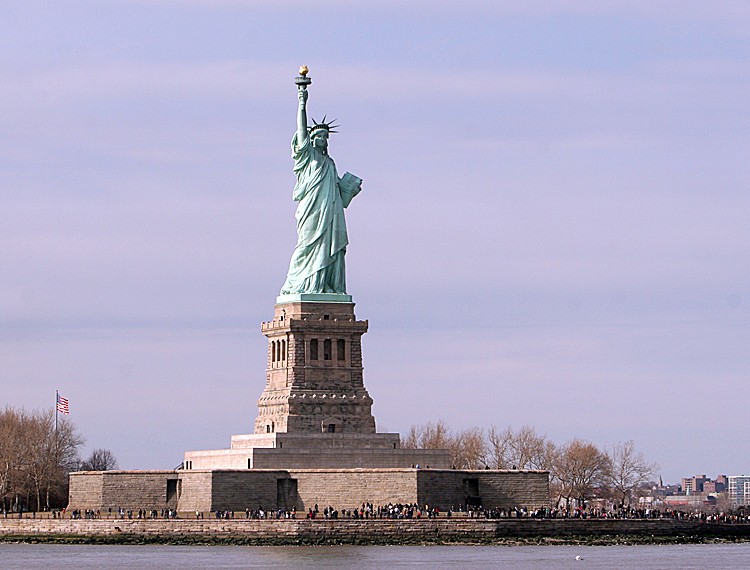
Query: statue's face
{"type": "Point", "coordinates": [320, 139]}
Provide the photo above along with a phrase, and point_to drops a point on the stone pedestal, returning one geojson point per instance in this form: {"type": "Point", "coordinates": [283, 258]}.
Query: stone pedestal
{"type": "Point", "coordinates": [314, 380]}
{"type": "Point", "coordinates": [315, 441]}
{"type": "Point", "coordinates": [314, 412]}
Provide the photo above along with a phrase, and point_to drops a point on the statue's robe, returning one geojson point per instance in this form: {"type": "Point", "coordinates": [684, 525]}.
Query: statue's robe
{"type": "Point", "coordinates": [317, 264]}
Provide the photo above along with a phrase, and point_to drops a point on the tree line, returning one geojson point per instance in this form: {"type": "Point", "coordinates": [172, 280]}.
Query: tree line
{"type": "Point", "coordinates": [36, 456]}
{"type": "Point", "coordinates": [578, 468]}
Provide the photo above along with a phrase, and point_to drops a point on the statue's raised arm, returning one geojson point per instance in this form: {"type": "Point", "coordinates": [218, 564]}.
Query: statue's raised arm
{"type": "Point", "coordinates": [302, 82]}
{"type": "Point", "coordinates": [302, 114]}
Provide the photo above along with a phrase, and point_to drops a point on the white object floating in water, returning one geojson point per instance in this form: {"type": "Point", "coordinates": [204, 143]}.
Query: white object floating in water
{"type": "Point", "coordinates": [579, 557]}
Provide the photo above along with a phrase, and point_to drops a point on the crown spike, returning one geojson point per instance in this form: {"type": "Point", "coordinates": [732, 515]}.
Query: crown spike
{"type": "Point", "coordinates": [324, 124]}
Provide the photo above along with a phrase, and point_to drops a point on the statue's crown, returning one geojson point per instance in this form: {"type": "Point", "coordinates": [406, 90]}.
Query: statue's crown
{"type": "Point", "coordinates": [316, 126]}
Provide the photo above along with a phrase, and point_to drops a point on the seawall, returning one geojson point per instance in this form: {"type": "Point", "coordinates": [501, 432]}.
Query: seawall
{"type": "Point", "coordinates": [366, 531]}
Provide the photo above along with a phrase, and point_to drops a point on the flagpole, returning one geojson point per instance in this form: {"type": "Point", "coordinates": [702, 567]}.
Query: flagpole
{"type": "Point", "coordinates": [57, 399]}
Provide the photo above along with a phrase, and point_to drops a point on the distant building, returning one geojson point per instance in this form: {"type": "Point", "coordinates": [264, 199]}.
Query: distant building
{"type": "Point", "coordinates": [694, 485]}
{"type": "Point", "coordinates": [739, 490]}
{"type": "Point", "coordinates": [723, 480]}
{"type": "Point", "coordinates": [715, 487]}
{"type": "Point", "coordinates": [698, 492]}
{"type": "Point", "coordinates": [695, 501]}
{"type": "Point", "coordinates": [700, 484]}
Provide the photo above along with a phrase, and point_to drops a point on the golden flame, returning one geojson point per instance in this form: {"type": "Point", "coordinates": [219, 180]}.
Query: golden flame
{"type": "Point", "coordinates": [303, 70]}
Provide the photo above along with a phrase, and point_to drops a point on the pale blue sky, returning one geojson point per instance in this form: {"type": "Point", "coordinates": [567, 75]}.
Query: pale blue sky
{"type": "Point", "coordinates": [553, 228]}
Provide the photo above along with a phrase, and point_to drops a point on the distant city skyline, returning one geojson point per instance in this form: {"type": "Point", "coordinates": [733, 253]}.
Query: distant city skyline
{"type": "Point", "coordinates": [552, 229]}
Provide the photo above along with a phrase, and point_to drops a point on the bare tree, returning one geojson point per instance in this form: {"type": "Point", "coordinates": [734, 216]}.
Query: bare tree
{"type": "Point", "coordinates": [522, 449]}
{"type": "Point", "coordinates": [10, 458]}
{"type": "Point", "coordinates": [723, 503]}
{"type": "Point", "coordinates": [35, 458]}
{"type": "Point", "coordinates": [578, 468]}
{"type": "Point", "coordinates": [99, 460]}
{"type": "Point", "coordinates": [411, 441]}
{"type": "Point", "coordinates": [468, 449]}
{"type": "Point", "coordinates": [500, 447]}
{"type": "Point", "coordinates": [67, 441]}
{"type": "Point", "coordinates": [428, 436]}
{"type": "Point", "coordinates": [51, 452]}
{"type": "Point", "coordinates": [628, 470]}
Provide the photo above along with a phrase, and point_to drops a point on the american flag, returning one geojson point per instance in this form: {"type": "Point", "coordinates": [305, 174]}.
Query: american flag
{"type": "Point", "coordinates": [62, 405]}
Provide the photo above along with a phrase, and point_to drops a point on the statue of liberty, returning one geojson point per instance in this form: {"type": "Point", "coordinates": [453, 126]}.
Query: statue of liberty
{"type": "Point", "coordinates": [317, 264]}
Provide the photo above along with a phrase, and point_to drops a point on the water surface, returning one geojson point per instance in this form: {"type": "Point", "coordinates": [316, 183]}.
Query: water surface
{"type": "Point", "coordinates": [83, 557]}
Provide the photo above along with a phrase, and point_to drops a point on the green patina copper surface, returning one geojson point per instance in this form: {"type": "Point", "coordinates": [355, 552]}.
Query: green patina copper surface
{"type": "Point", "coordinates": [317, 264]}
{"type": "Point", "coordinates": [314, 298]}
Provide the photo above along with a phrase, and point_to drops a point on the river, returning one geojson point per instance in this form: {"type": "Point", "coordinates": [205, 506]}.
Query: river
{"type": "Point", "coordinates": [82, 557]}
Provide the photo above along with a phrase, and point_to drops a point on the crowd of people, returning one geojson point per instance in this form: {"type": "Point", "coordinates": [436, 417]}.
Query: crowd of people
{"type": "Point", "coordinates": [600, 513]}
{"type": "Point", "coordinates": [370, 511]}
{"type": "Point", "coordinates": [404, 511]}
{"type": "Point", "coordinates": [119, 513]}
{"type": "Point", "coordinates": [648, 513]}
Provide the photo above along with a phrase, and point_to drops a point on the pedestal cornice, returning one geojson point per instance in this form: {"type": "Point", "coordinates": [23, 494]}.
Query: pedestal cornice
{"type": "Point", "coordinates": [314, 298]}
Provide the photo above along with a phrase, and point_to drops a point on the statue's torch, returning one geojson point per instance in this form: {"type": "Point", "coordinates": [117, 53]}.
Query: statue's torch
{"type": "Point", "coordinates": [303, 80]}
